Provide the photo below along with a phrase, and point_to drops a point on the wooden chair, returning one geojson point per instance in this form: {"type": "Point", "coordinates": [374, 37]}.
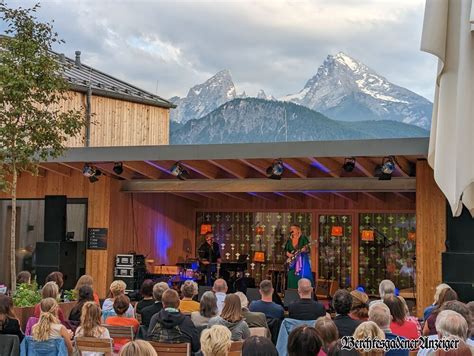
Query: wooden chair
{"type": "Point", "coordinates": [164, 349]}
{"type": "Point", "coordinates": [236, 346]}
{"type": "Point", "coordinates": [93, 344]}
{"type": "Point", "coordinates": [259, 331]}
{"type": "Point", "coordinates": [122, 332]}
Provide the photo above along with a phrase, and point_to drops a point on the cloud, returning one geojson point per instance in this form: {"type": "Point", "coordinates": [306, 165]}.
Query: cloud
{"type": "Point", "coordinates": [275, 45]}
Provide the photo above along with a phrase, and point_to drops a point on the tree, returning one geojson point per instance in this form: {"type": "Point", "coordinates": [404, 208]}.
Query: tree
{"type": "Point", "coordinates": [33, 124]}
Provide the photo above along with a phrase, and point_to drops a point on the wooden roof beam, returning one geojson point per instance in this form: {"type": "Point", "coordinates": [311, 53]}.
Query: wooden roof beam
{"type": "Point", "coordinates": [327, 165]}
{"type": "Point", "coordinates": [297, 166]}
{"type": "Point", "coordinates": [109, 169]}
{"type": "Point", "coordinates": [366, 166]}
{"type": "Point", "coordinates": [232, 167]}
{"type": "Point", "coordinates": [204, 168]}
{"type": "Point", "coordinates": [56, 168]}
{"type": "Point", "coordinates": [322, 197]}
{"type": "Point", "coordinates": [144, 169]}
{"type": "Point", "coordinates": [380, 197]}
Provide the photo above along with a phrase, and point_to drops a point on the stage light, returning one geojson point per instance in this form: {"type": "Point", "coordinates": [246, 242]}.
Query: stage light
{"type": "Point", "coordinates": [88, 171]}
{"type": "Point", "coordinates": [179, 171]}
{"type": "Point", "coordinates": [118, 168]}
{"type": "Point", "coordinates": [275, 171]}
{"type": "Point", "coordinates": [349, 164]}
{"type": "Point", "coordinates": [385, 170]}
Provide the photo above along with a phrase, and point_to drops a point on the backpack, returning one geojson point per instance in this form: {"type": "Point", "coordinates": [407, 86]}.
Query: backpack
{"type": "Point", "coordinates": [170, 336]}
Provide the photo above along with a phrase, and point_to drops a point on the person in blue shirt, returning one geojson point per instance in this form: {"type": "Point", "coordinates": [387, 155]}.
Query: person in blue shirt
{"type": "Point", "coordinates": [266, 305]}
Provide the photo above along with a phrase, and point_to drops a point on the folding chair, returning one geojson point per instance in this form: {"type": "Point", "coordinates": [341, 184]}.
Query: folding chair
{"type": "Point", "coordinates": [93, 344]}
{"type": "Point", "coordinates": [164, 349]}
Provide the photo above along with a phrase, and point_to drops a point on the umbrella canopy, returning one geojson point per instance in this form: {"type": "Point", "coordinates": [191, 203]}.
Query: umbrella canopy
{"type": "Point", "coordinates": [448, 34]}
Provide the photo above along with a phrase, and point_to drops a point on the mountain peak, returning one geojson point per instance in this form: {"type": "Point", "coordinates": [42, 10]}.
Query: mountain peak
{"type": "Point", "coordinates": [343, 59]}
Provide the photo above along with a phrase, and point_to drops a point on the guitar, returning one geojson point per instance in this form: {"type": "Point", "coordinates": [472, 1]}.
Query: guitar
{"type": "Point", "coordinates": [291, 260]}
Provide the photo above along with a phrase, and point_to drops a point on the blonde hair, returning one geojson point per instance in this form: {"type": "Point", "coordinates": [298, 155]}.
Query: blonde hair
{"type": "Point", "coordinates": [90, 320]}
{"type": "Point", "coordinates": [216, 341]}
{"type": "Point", "coordinates": [84, 280]}
{"type": "Point", "coordinates": [50, 290]}
{"type": "Point", "coordinates": [439, 289]}
{"type": "Point", "coordinates": [232, 310]}
{"type": "Point", "coordinates": [370, 330]}
{"type": "Point", "coordinates": [48, 316]}
{"type": "Point", "coordinates": [117, 287]}
{"type": "Point", "coordinates": [137, 347]}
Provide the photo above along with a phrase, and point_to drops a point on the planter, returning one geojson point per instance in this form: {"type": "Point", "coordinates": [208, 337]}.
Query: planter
{"type": "Point", "coordinates": [24, 313]}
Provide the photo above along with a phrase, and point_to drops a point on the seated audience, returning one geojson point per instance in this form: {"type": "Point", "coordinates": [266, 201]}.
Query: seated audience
{"type": "Point", "coordinates": [342, 303]}
{"type": "Point", "coordinates": [470, 306]}
{"type": "Point", "coordinates": [304, 341]}
{"type": "Point", "coordinates": [399, 324]}
{"type": "Point", "coordinates": [121, 305]}
{"type": "Point", "coordinates": [91, 324]}
{"type": "Point", "coordinates": [137, 347]}
{"type": "Point", "coordinates": [451, 324]}
{"type": "Point", "coordinates": [253, 319]}
{"type": "Point", "coordinates": [9, 324]}
{"type": "Point", "coordinates": [258, 346]}
{"type": "Point", "coordinates": [148, 312]}
{"type": "Point", "coordinates": [429, 309]}
{"type": "Point", "coordinates": [360, 306]}
{"type": "Point", "coordinates": [49, 290]}
{"type": "Point", "coordinates": [445, 295]}
{"type": "Point", "coordinates": [116, 288]}
{"type": "Point", "coordinates": [169, 325]}
{"type": "Point", "coordinates": [24, 277]}
{"type": "Point", "coordinates": [56, 277]}
{"type": "Point", "coordinates": [231, 317]}
{"type": "Point", "coordinates": [49, 326]}
{"type": "Point", "coordinates": [146, 291]}
{"type": "Point", "coordinates": [409, 317]}
{"type": "Point", "coordinates": [305, 308]}
{"type": "Point", "coordinates": [207, 310]}
{"type": "Point", "coordinates": [386, 286]}
{"type": "Point", "coordinates": [220, 290]}
{"type": "Point", "coordinates": [369, 330]}
{"type": "Point", "coordinates": [266, 305]}
{"type": "Point", "coordinates": [379, 313]}
{"type": "Point", "coordinates": [86, 280]}
{"type": "Point", "coordinates": [188, 290]}
{"type": "Point", "coordinates": [216, 341]}
{"type": "Point", "coordinates": [463, 310]}
{"type": "Point", "coordinates": [327, 332]}
{"type": "Point", "coordinates": [86, 294]}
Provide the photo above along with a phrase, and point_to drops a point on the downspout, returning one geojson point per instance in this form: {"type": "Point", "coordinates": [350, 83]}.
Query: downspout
{"type": "Point", "coordinates": [88, 116]}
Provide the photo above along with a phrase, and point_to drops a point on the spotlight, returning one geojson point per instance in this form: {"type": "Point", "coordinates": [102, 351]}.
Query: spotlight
{"type": "Point", "coordinates": [275, 171]}
{"type": "Point", "coordinates": [349, 164]}
{"type": "Point", "coordinates": [93, 179]}
{"type": "Point", "coordinates": [179, 171]}
{"type": "Point", "coordinates": [88, 171]}
{"type": "Point", "coordinates": [384, 171]}
{"type": "Point", "coordinates": [118, 168]}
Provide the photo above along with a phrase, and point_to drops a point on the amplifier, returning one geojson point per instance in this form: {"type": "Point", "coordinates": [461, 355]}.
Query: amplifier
{"type": "Point", "coordinates": [167, 270]}
{"type": "Point", "coordinates": [129, 260]}
{"type": "Point", "coordinates": [128, 271]}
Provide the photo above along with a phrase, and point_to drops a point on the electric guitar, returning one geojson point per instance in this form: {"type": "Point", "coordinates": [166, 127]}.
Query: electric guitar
{"type": "Point", "coordinates": [296, 253]}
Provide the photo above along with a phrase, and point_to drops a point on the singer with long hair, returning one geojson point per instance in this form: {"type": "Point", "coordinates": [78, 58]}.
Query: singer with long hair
{"type": "Point", "coordinates": [300, 267]}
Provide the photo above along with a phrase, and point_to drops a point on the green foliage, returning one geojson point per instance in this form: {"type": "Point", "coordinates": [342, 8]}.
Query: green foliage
{"type": "Point", "coordinates": [26, 295]}
{"type": "Point", "coordinates": [70, 295]}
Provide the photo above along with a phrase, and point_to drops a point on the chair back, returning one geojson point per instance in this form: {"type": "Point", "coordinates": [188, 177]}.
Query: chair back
{"type": "Point", "coordinates": [236, 346]}
{"type": "Point", "coordinates": [122, 332]}
{"type": "Point", "coordinates": [234, 353]}
{"type": "Point", "coordinates": [93, 344]}
{"type": "Point", "coordinates": [164, 349]}
{"type": "Point", "coordinates": [259, 331]}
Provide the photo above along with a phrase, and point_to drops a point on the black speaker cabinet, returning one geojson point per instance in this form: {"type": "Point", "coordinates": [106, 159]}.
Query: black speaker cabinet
{"type": "Point", "coordinates": [57, 256]}
{"type": "Point", "coordinates": [202, 290]}
{"type": "Point", "coordinates": [55, 218]}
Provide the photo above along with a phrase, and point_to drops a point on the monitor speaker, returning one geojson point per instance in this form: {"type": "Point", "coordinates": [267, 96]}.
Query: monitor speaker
{"type": "Point", "coordinates": [55, 218]}
{"type": "Point", "coordinates": [291, 295]}
{"type": "Point", "coordinates": [253, 294]}
{"type": "Point", "coordinates": [202, 290]}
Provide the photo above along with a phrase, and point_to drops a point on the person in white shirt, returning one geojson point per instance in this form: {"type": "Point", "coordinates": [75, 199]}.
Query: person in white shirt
{"type": "Point", "coordinates": [220, 290]}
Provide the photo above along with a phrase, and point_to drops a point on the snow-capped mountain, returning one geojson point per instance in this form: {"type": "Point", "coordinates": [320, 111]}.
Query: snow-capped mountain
{"type": "Point", "coordinates": [346, 89]}
{"type": "Point", "coordinates": [204, 98]}
{"type": "Point", "coordinates": [262, 95]}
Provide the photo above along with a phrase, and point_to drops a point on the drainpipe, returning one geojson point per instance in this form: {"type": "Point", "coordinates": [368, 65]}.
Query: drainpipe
{"type": "Point", "coordinates": [88, 116]}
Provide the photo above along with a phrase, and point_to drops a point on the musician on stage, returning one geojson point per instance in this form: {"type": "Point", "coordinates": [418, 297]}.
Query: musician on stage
{"type": "Point", "coordinates": [209, 253]}
{"type": "Point", "coordinates": [301, 266]}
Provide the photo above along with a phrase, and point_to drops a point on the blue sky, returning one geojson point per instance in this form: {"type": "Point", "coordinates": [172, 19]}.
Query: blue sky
{"type": "Point", "coordinates": [275, 45]}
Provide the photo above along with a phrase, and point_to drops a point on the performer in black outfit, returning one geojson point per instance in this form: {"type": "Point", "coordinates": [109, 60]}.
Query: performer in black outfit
{"type": "Point", "coordinates": [209, 254]}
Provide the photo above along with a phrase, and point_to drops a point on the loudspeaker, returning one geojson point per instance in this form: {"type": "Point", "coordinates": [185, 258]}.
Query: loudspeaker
{"type": "Point", "coordinates": [326, 288]}
{"type": "Point", "coordinates": [465, 291]}
{"type": "Point", "coordinates": [55, 218]}
{"type": "Point", "coordinates": [202, 290]}
{"type": "Point", "coordinates": [454, 267]}
{"type": "Point", "coordinates": [291, 295]}
{"type": "Point", "coordinates": [253, 294]}
{"type": "Point", "coordinates": [57, 256]}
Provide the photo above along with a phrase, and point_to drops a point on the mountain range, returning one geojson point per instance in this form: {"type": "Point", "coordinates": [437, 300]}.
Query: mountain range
{"type": "Point", "coordinates": [347, 96]}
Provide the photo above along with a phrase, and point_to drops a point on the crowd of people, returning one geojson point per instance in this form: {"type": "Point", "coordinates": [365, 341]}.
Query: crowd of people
{"type": "Point", "coordinates": [211, 325]}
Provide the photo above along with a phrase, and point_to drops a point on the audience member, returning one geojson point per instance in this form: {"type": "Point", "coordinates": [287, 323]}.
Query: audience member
{"type": "Point", "coordinates": [207, 310]}
{"type": "Point", "coordinates": [24, 277]}
{"type": "Point", "coordinates": [148, 312]}
{"type": "Point", "coordinates": [386, 286]}
{"type": "Point", "coordinates": [220, 290]}
{"type": "Point", "coordinates": [231, 317]}
{"type": "Point", "coordinates": [337, 350]}
{"type": "Point", "coordinates": [342, 303]}
{"type": "Point", "coordinates": [327, 332]}
{"type": "Point", "coordinates": [266, 305]}
{"type": "Point", "coordinates": [9, 324]}
{"type": "Point", "coordinates": [49, 290]}
{"type": "Point", "coordinates": [451, 324]}
{"type": "Point", "coordinates": [91, 324]}
{"type": "Point", "coordinates": [146, 291]}
{"type": "Point", "coordinates": [86, 294]}
{"type": "Point", "coordinates": [86, 280]}
{"type": "Point", "coordinates": [49, 326]}
{"type": "Point", "coordinates": [169, 325]}
{"type": "Point", "coordinates": [56, 277]}
{"type": "Point", "coordinates": [369, 330]}
{"type": "Point", "coordinates": [445, 295]}
{"type": "Point", "coordinates": [463, 310]}
{"type": "Point", "coordinates": [188, 290]}
{"type": "Point", "coordinates": [258, 346]}
{"type": "Point", "coordinates": [379, 313]}
{"type": "Point", "coordinates": [253, 319]}
{"type": "Point", "coordinates": [470, 306]}
{"type": "Point", "coordinates": [305, 308]}
{"type": "Point", "coordinates": [360, 306]}
{"type": "Point", "coordinates": [137, 347]}
{"type": "Point", "coordinates": [399, 324]}
{"type": "Point", "coordinates": [116, 288]}
{"type": "Point", "coordinates": [304, 341]}
{"type": "Point", "coordinates": [429, 309]}
{"type": "Point", "coordinates": [409, 317]}
{"type": "Point", "coordinates": [216, 341]}
{"type": "Point", "coordinates": [121, 305]}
